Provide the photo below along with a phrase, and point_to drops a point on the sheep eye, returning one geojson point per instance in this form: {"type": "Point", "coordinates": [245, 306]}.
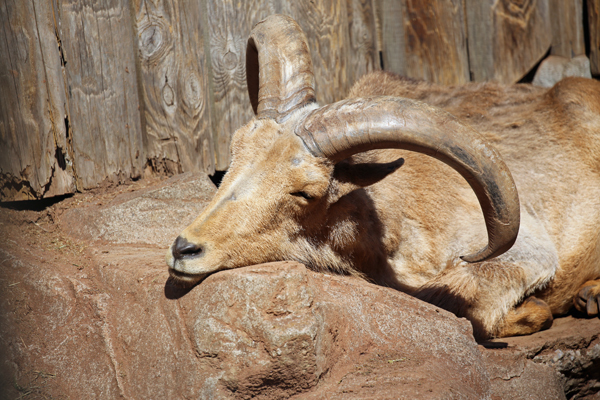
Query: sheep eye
{"type": "Point", "coordinates": [302, 194]}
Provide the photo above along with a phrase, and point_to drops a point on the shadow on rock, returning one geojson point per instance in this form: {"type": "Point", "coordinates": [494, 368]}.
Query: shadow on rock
{"type": "Point", "coordinates": [494, 345]}
{"type": "Point", "coordinates": [175, 290]}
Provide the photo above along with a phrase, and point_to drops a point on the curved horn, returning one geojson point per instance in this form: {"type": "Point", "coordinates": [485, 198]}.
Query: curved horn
{"type": "Point", "coordinates": [348, 127]}
{"type": "Point", "coordinates": [279, 69]}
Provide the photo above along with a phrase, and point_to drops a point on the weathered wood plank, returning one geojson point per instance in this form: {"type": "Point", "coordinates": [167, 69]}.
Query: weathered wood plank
{"type": "Point", "coordinates": [34, 160]}
{"type": "Point", "coordinates": [393, 43]}
{"type": "Point", "coordinates": [506, 37]}
{"type": "Point", "coordinates": [593, 12]}
{"type": "Point", "coordinates": [436, 47]}
{"type": "Point", "coordinates": [376, 6]}
{"type": "Point", "coordinates": [480, 36]}
{"type": "Point", "coordinates": [104, 114]}
{"type": "Point", "coordinates": [229, 25]}
{"type": "Point", "coordinates": [362, 28]}
{"type": "Point", "coordinates": [566, 21]}
{"type": "Point", "coordinates": [425, 40]}
{"type": "Point", "coordinates": [325, 23]}
{"type": "Point", "coordinates": [65, 175]}
{"type": "Point", "coordinates": [174, 85]}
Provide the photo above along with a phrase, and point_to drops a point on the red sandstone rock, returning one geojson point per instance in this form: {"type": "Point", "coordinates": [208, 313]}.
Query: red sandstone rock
{"type": "Point", "coordinates": [86, 314]}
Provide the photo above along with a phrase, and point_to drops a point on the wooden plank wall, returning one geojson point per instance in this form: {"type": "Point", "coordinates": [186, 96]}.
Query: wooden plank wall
{"type": "Point", "coordinates": [566, 18]}
{"type": "Point", "coordinates": [519, 37]}
{"type": "Point", "coordinates": [107, 90]}
{"type": "Point", "coordinates": [172, 68]}
{"type": "Point", "coordinates": [33, 134]}
{"type": "Point", "coordinates": [425, 39]}
{"type": "Point", "coordinates": [103, 113]}
{"type": "Point", "coordinates": [228, 26]}
{"type": "Point", "coordinates": [104, 90]}
{"type": "Point", "coordinates": [457, 41]}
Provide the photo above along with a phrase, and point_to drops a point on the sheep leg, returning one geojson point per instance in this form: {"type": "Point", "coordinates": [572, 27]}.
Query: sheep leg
{"type": "Point", "coordinates": [531, 316]}
{"type": "Point", "coordinates": [587, 299]}
{"type": "Point", "coordinates": [490, 296]}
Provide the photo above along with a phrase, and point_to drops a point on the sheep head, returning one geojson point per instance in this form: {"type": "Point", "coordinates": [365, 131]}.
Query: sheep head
{"type": "Point", "coordinates": [285, 194]}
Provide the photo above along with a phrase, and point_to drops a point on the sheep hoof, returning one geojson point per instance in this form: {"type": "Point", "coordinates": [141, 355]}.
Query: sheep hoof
{"type": "Point", "coordinates": [531, 316]}
{"type": "Point", "coordinates": [587, 299]}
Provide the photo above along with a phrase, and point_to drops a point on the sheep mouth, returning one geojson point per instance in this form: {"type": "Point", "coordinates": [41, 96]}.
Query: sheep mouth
{"type": "Point", "coordinates": [186, 279]}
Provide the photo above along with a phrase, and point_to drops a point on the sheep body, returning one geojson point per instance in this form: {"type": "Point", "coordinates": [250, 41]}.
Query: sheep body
{"type": "Point", "coordinates": [402, 218]}
{"type": "Point", "coordinates": [550, 139]}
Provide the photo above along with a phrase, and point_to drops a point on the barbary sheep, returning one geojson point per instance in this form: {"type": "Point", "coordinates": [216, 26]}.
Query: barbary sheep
{"type": "Point", "coordinates": [391, 184]}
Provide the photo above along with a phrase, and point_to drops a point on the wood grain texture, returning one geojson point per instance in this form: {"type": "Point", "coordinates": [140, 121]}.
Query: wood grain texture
{"type": "Point", "coordinates": [393, 42]}
{"type": "Point", "coordinates": [97, 89]}
{"type": "Point", "coordinates": [325, 23]}
{"type": "Point", "coordinates": [506, 37]}
{"type": "Point", "coordinates": [229, 25]}
{"type": "Point", "coordinates": [566, 22]}
{"type": "Point", "coordinates": [34, 160]}
{"type": "Point", "coordinates": [104, 114]}
{"type": "Point", "coordinates": [362, 30]}
{"type": "Point", "coordinates": [593, 13]}
{"type": "Point", "coordinates": [376, 7]}
{"type": "Point", "coordinates": [480, 37]}
{"type": "Point", "coordinates": [425, 40]}
{"type": "Point", "coordinates": [174, 85]}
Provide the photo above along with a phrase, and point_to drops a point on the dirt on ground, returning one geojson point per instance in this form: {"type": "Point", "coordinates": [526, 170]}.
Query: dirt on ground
{"type": "Point", "coordinates": [87, 311]}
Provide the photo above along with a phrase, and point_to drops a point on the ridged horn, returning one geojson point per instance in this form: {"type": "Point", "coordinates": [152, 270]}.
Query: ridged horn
{"type": "Point", "coordinates": [279, 68]}
{"type": "Point", "coordinates": [352, 126]}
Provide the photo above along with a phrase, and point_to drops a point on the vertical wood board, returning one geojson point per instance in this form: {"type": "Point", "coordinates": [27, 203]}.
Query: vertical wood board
{"type": "Point", "coordinates": [479, 39]}
{"type": "Point", "coordinates": [566, 20]}
{"type": "Point", "coordinates": [523, 36]}
{"type": "Point", "coordinates": [593, 13]}
{"type": "Point", "coordinates": [436, 41]}
{"type": "Point", "coordinates": [362, 29]}
{"type": "Point", "coordinates": [64, 175]}
{"type": "Point", "coordinates": [174, 84]}
{"type": "Point", "coordinates": [425, 40]}
{"type": "Point", "coordinates": [34, 162]}
{"type": "Point", "coordinates": [393, 43]}
{"type": "Point", "coordinates": [229, 25]}
{"type": "Point", "coordinates": [506, 37]}
{"type": "Point", "coordinates": [376, 6]}
{"type": "Point", "coordinates": [104, 113]}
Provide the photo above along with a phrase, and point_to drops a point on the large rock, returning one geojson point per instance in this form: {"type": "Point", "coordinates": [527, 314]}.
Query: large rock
{"type": "Point", "coordinates": [571, 348]}
{"type": "Point", "coordinates": [87, 311]}
{"type": "Point", "coordinates": [154, 215]}
{"type": "Point", "coordinates": [555, 68]}
{"type": "Point", "coordinates": [279, 329]}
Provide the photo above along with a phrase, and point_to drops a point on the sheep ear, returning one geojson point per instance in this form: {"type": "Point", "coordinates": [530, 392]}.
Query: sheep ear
{"type": "Point", "coordinates": [349, 177]}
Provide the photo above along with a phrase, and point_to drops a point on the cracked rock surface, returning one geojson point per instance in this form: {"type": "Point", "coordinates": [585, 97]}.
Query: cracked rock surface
{"type": "Point", "coordinates": [87, 311]}
{"type": "Point", "coordinates": [571, 349]}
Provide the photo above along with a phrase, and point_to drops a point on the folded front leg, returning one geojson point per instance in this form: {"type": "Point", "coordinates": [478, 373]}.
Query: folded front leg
{"type": "Point", "coordinates": [482, 293]}
{"type": "Point", "coordinates": [487, 294]}
{"type": "Point", "coordinates": [531, 316]}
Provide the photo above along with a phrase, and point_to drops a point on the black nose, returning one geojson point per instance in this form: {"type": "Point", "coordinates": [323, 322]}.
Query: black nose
{"type": "Point", "coordinates": [184, 249]}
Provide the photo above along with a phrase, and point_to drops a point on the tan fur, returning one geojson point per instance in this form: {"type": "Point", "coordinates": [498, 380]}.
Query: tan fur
{"type": "Point", "coordinates": [408, 230]}
{"type": "Point", "coordinates": [531, 316]}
